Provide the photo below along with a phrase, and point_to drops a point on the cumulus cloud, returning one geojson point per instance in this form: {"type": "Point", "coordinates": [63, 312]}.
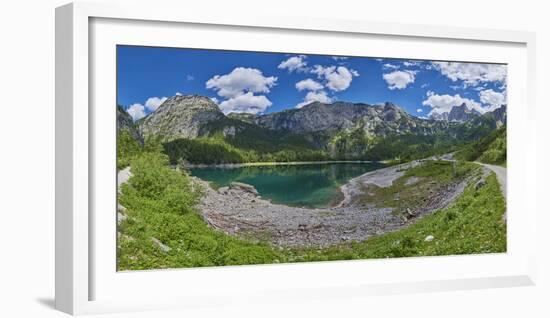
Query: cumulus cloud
{"type": "Point", "coordinates": [245, 103]}
{"type": "Point", "coordinates": [190, 77]}
{"type": "Point", "coordinates": [137, 111]}
{"type": "Point", "coordinates": [315, 96]}
{"type": "Point", "coordinates": [444, 103]}
{"type": "Point", "coordinates": [294, 63]}
{"type": "Point", "coordinates": [178, 94]}
{"type": "Point", "coordinates": [152, 103]}
{"type": "Point", "coordinates": [419, 110]}
{"type": "Point", "coordinates": [241, 80]}
{"type": "Point", "coordinates": [336, 78]}
{"type": "Point", "coordinates": [493, 99]}
{"type": "Point", "coordinates": [472, 73]}
{"type": "Point", "coordinates": [239, 88]}
{"type": "Point", "coordinates": [399, 79]}
{"type": "Point", "coordinates": [308, 84]}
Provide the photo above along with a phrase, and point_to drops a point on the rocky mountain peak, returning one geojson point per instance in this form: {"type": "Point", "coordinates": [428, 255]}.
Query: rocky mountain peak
{"type": "Point", "coordinates": [181, 116]}
{"type": "Point", "coordinates": [191, 102]}
{"type": "Point", "coordinates": [460, 113]}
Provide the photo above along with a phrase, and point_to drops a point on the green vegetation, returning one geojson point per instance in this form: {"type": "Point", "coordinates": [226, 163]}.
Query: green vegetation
{"type": "Point", "coordinates": [159, 202]}
{"type": "Point", "coordinates": [353, 144]}
{"type": "Point", "coordinates": [160, 205]}
{"type": "Point", "coordinates": [405, 148]}
{"type": "Point", "coordinates": [350, 144]}
{"type": "Point", "coordinates": [216, 150]}
{"type": "Point", "coordinates": [430, 177]}
{"type": "Point", "coordinates": [489, 149]}
{"type": "Point", "coordinates": [471, 225]}
{"type": "Point", "coordinates": [127, 148]}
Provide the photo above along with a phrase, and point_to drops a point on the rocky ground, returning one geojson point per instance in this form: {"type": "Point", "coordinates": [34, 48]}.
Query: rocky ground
{"type": "Point", "coordinates": [239, 210]}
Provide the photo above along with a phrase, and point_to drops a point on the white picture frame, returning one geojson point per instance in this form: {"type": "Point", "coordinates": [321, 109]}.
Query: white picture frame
{"type": "Point", "coordinates": [78, 160]}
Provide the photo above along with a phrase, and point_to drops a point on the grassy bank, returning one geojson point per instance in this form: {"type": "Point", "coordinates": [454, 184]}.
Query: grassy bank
{"type": "Point", "coordinates": [160, 208]}
{"type": "Point", "coordinates": [490, 149]}
{"type": "Point", "coordinates": [413, 190]}
{"type": "Point", "coordinates": [472, 225]}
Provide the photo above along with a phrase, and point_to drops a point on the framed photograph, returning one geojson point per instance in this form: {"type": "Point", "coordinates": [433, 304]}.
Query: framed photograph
{"type": "Point", "coordinates": [202, 158]}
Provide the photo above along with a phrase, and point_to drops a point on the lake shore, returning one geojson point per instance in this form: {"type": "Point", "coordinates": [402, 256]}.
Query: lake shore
{"type": "Point", "coordinates": [278, 163]}
{"type": "Point", "coordinates": [239, 210]}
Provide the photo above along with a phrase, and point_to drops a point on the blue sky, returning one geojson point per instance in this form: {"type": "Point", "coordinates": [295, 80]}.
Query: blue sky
{"type": "Point", "coordinates": [261, 82]}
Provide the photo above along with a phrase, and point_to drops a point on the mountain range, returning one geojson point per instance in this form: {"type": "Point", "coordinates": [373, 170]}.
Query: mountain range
{"type": "Point", "coordinates": [345, 130]}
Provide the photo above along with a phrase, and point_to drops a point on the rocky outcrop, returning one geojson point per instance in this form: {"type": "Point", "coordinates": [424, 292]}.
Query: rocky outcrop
{"type": "Point", "coordinates": [182, 117]}
{"type": "Point", "coordinates": [439, 116]}
{"type": "Point", "coordinates": [458, 114]}
{"type": "Point", "coordinates": [462, 114]}
{"type": "Point", "coordinates": [500, 115]}
{"type": "Point", "coordinates": [124, 122]}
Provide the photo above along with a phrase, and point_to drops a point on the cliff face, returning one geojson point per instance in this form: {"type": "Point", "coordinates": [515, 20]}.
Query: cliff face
{"type": "Point", "coordinates": [181, 117]}
{"type": "Point", "coordinates": [124, 122]}
{"type": "Point", "coordinates": [374, 119]}
{"type": "Point", "coordinates": [462, 114]}
{"type": "Point", "coordinates": [500, 115]}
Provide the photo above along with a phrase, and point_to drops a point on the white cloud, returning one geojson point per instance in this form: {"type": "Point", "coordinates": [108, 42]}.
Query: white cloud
{"type": "Point", "coordinates": [492, 98]}
{"type": "Point", "coordinates": [399, 79]}
{"type": "Point", "coordinates": [411, 63]}
{"type": "Point", "coordinates": [317, 96]}
{"type": "Point", "coordinates": [239, 86]}
{"type": "Point", "coordinates": [424, 85]}
{"type": "Point", "coordinates": [190, 77]}
{"type": "Point", "coordinates": [337, 78]}
{"type": "Point", "coordinates": [419, 110]}
{"type": "Point", "coordinates": [339, 58]}
{"type": "Point", "coordinates": [152, 103]}
{"type": "Point", "coordinates": [178, 94]}
{"type": "Point", "coordinates": [472, 73]}
{"type": "Point", "coordinates": [245, 103]}
{"type": "Point", "coordinates": [443, 103]}
{"type": "Point", "coordinates": [239, 81]}
{"type": "Point", "coordinates": [137, 111]}
{"type": "Point", "coordinates": [389, 66]}
{"type": "Point", "coordinates": [215, 100]}
{"type": "Point", "coordinates": [308, 84]}
{"type": "Point", "coordinates": [294, 63]}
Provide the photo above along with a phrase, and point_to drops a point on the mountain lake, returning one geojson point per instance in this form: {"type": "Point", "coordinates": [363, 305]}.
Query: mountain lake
{"type": "Point", "coordinates": [299, 185]}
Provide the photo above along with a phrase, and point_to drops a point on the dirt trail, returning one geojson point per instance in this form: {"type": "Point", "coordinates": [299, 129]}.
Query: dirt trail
{"type": "Point", "coordinates": [501, 175]}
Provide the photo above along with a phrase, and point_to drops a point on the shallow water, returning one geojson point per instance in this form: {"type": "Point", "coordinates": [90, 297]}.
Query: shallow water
{"type": "Point", "coordinates": [307, 185]}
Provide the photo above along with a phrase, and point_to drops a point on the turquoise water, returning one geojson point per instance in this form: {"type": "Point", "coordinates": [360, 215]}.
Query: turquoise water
{"type": "Point", "coordinates": [307, 185]}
